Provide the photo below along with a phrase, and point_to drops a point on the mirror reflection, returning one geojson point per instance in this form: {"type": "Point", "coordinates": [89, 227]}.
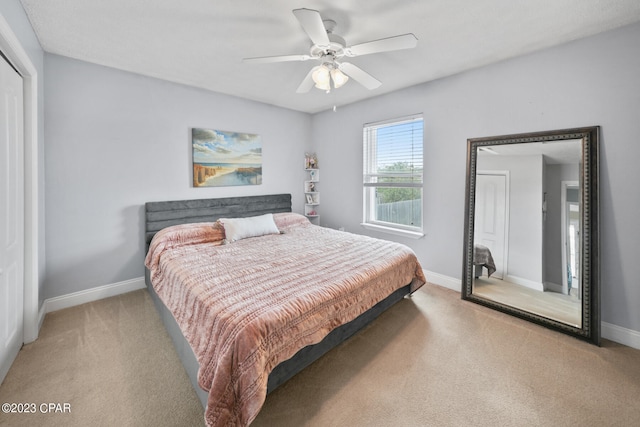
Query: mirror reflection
{"type": "Point", "coordinates": [531, 244]}
{"type": "Point", "coordinates": [526, 239]}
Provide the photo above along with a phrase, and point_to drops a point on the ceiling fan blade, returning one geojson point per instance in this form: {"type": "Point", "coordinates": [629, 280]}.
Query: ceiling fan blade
{"type": "Point", "coordinates": [311, 22]}
{"type": "Point", "coordinates": [357, 74]}
{"type": "Point", "coordinates": [405, 41]}
{"type": "Point", "coordinates": [270, 59]}
{"type": "Point", "coordinates": [308, 82]}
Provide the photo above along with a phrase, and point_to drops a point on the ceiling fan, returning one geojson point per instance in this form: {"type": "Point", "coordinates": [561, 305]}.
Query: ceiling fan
{"type": "Point", "coordinates": [330, 49]}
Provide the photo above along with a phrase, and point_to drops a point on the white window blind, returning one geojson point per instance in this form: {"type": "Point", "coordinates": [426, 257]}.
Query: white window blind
{"type": "Point", "coordinates": [393, 168]}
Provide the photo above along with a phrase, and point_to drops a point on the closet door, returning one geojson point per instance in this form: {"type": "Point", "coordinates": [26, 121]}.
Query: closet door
{"type": "Point", "coordinates": [11, 216]}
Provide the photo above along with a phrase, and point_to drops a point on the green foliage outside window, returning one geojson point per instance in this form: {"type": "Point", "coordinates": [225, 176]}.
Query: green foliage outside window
{"type": "Point", "coordinates": [397, 194]}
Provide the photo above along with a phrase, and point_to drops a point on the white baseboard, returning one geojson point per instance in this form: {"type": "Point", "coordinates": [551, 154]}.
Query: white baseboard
{"type": "Point", "coordinates": [444, 281]}
{"type": "Point", "coordinates": [608, 331]}
{"type": "Point", "coordinates": [553, 287]}
{"type": "Point", "coordinates": [536, 286]}
{"type": "Point", "coordinates": [621, 335]}
{"type": "Point", "coordinates": [89, 295]}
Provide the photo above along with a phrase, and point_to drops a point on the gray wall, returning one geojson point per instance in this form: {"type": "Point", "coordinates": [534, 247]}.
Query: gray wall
{"type": "Point", "coordinates": [14, 14]}
{"type": "Point", "coordinates": [116, 140]}
{"type": "Point", "coordinates": [588, 82]}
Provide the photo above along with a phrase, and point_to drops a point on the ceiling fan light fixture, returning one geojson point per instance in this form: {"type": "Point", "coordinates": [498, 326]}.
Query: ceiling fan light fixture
{"type": "Point", "coordinates": [339, 78]}
{"type": "Point", "coordinates": [326, 86]}
{"type": "Point", "coordinates": [321, 76]}
{"type": "Point", "coordinates": [329, 47]}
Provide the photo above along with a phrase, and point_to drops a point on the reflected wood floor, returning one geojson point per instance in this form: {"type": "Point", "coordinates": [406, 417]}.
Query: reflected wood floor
{"type": "Point", "coordinates": [554, 305]}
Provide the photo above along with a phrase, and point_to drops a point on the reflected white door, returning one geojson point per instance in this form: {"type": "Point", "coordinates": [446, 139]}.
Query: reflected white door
{"type": "Point", "coordinates": [11, 216]}
{"type": "Point", "coordinates": [570, 229]}
{"type": "Point", "coordinates": [491, 217]}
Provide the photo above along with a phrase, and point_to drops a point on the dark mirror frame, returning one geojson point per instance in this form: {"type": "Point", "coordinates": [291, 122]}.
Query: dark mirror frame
{"type": "Point", "coordinates": [590, 268]}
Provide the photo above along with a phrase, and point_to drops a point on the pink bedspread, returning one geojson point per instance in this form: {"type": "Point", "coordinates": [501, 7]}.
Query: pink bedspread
{"type": "Point", "coordinates": [245, 307]}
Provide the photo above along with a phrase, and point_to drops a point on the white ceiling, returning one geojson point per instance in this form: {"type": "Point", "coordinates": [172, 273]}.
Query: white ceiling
{"type": "Point", "coordinates": [202, 42]}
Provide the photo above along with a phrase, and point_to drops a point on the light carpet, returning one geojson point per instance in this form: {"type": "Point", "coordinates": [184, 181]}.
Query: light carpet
{"type": "Point", "coordinates": [431, 360]}
{"type": "Point", "coordinates": [111, 360]}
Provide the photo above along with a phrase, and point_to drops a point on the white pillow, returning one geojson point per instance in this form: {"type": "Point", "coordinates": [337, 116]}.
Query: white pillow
{"type": "Point", "coordinates": [241, 228]}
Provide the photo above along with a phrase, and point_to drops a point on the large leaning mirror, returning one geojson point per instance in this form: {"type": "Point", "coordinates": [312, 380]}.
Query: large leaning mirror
{"type": "Point", "coordinates": [531, 228]}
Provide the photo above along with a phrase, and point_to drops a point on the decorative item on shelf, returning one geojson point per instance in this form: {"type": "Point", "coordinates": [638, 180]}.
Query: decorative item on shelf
{"type": "Point", "coordinates": [309, 186]}
{"type": "Point", "coordinates": [310, 161]}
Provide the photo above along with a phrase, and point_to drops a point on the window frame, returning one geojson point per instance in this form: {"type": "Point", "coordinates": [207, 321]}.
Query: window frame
{"type": "Point", "coordinates": [370, 173]}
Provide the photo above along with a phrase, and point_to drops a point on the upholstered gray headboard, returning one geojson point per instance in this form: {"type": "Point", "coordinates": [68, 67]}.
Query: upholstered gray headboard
{"type": "Point", "coordinates": [159, 215]}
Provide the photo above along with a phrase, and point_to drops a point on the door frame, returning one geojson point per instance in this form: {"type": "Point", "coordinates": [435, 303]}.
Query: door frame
{"type": "Point", "coordinates": [15, 53]}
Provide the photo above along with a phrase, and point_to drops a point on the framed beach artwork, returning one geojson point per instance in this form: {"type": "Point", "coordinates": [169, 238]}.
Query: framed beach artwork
{"type": "Point", "coordinates": [222, 158]}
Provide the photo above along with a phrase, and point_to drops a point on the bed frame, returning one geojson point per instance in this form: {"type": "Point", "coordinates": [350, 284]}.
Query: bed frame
{"type": "Point", "coordinates": [159, 215]}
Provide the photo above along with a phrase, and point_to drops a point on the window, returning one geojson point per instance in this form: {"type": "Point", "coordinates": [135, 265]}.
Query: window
{"type": "Point", "coordinates": [392, 180]}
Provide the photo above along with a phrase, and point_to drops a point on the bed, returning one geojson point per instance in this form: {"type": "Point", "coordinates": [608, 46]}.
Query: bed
{"type": "Point", "coordinates": [482, 257]}
{"type": "Point", "coordinates": [247, 314]}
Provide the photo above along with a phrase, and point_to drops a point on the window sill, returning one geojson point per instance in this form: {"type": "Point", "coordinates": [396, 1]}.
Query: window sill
{"type": "Point", "coordinates": [396, 231]}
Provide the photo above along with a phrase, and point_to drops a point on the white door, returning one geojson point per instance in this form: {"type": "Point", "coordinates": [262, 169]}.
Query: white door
{"type": "Point", "coordinates": [570, 229]}
{"type": "Point", "coordinates": [11, 216]}
{"type": "Point", "coordinates": [491, 217]}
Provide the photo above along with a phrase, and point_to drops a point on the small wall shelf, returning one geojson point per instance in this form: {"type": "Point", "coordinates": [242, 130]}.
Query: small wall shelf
{"type": "Point", "coordinates": [311, 192]}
